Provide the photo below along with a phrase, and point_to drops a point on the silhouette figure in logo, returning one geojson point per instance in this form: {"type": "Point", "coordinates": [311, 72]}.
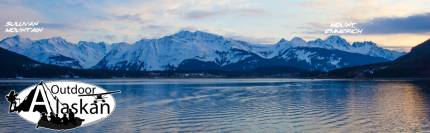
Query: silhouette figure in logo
{"type": "Point", "coordinates": [43, 118]}
{"type": "Point", "coordinates": [11, 98]}
{"type": "Point", "coordinates": [55, 122]}
{"type": "Point", "coordinates": [64, 119]}
{"type": "Point", "coordinates": [27, 101]}
{"type": "Point", "coordinates": [51, 116]}
{"type": "Point", "coordinates": [71, 114]}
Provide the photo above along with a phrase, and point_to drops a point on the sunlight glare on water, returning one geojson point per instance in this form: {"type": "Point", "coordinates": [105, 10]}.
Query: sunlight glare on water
{"type": "Point", "coordinates": [253, 105]}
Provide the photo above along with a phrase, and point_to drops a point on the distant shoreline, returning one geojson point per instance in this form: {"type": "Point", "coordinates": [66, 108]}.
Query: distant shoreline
{"type": "Point", "coordinates": [226, 78]}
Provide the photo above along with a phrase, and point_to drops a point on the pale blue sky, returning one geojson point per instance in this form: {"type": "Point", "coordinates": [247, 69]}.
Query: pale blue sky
{"type": "Point", "coordinates": [251, 20]}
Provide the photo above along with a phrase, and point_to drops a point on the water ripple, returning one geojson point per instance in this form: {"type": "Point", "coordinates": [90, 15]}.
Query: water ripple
{"type": "Point", "coordinates": [228, 105]}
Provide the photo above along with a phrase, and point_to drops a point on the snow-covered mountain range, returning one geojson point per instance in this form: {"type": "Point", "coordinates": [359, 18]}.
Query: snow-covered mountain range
{"type": "Point", "coordinates": [58, 51]}
{"type": "Point", "coordinates": [186, 50]}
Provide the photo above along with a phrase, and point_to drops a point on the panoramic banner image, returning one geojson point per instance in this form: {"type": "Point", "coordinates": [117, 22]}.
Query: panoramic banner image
{"type": "Point", "coordinates": [214, 66]}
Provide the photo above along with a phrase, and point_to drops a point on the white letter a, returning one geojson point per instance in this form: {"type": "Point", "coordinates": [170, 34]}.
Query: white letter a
{"type": "Point", "coordinates": [38, 93]}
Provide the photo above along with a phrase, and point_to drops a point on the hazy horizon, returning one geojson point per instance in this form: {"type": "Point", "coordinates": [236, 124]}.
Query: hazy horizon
{"type": "Point", "coordinates": [390, 23]}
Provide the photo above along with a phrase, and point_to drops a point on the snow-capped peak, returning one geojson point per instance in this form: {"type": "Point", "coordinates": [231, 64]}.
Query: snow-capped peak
{"type": "Point", "coordinates": [57, 39]}
{"type": "Point", "coordinates": [298, 40]}
{"type": "Point", "coordinates": [295, 42]}
{"type": "Point", "coordinates": [363, 44]}
{"type": "Point", "coordinates": [336, 39]}
{"type": "Point", "coordinates": [282, 41]}
{"type": "Point", "coordinates": [184, 34]}
{"type": "Point", "coordinates": [15, 37]}
{"type": "Point", "coordinates": [171, 50]}
{"type": "Point", "coordinates": [57, 51]}
{"type": "Point", "coordinates": [372, 49]}
{"type": "Point", "coordinates": [15, 41]}
{"type": "Point", "coordinates": [337, 42]}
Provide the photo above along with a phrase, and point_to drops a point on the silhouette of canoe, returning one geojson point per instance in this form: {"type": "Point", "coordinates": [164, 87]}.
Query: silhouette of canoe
{"type": "Point", "coordinates": [71, 124]}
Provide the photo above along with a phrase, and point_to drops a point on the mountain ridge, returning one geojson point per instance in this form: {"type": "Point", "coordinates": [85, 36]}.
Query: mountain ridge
{"type": "Point", "coordinates": [413, 64]}
{"type": "Point", "coordinates": [172, 50]}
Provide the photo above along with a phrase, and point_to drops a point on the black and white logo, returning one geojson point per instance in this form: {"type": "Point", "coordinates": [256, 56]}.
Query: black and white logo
{"type": "Point", "coordinates": [62, 105]}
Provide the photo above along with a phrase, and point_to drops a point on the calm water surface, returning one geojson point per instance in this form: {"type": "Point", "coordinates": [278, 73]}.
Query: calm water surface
{"type": "Point", "coordinates": [252, 105]}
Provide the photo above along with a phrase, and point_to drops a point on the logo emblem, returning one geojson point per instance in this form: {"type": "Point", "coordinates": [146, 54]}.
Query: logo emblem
{"type": "Point", "coordinates": [62, 105]}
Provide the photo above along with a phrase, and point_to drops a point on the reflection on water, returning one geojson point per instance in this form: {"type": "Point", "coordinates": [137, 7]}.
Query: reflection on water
{"type": "Point", "coordinates": [253, 105]}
